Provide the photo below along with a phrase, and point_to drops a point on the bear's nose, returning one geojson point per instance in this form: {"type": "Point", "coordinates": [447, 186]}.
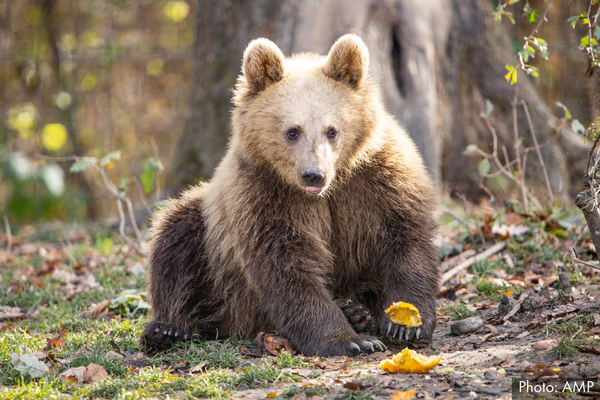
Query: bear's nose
{"type": "Point", "coordinates": [313, 177]}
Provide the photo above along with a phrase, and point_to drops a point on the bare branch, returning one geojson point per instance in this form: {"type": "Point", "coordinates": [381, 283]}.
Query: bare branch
{"type": "Point", "coordinates": [537, 149]}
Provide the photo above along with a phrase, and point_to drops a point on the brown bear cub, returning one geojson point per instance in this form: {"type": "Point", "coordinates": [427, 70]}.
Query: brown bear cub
{"type": "Point", "coordinates": [321, 196]}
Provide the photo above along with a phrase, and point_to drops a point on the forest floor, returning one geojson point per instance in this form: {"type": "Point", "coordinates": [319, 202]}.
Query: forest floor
{"type": "Point", "coordinates": [72, 309]}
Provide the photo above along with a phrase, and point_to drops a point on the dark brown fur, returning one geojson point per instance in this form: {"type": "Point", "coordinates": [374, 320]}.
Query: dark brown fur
{"type": "Point", "coordinates": [253, 251]}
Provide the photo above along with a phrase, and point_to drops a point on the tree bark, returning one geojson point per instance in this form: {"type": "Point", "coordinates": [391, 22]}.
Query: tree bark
{"type": "Point", "coordinates": [436, 62]}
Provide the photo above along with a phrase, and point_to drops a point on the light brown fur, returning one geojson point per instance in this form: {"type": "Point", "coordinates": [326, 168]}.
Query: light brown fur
{"type": "Point", "coordinates": [264, 253]}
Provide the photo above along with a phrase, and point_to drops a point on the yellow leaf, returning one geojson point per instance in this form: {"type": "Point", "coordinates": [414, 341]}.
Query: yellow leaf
{"type": "Point", "coordinates": [404, 314]}
{"type": "Point", "coordinates": [155, 66]}
{"type": "Point", "coordinates": [176, 11]}
{"type": "Point", "coordinates": [54, 136]}
{"type": "Point", "coordinates": [410, 362]}
{"type": "Point", "coordinates": [408, 395]}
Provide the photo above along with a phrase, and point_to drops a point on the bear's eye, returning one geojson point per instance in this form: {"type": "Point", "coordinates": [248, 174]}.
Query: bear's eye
{"type": "Point", "coordinates": [292, 134]}
{"type": "Point", "coordinates": [331, 133]}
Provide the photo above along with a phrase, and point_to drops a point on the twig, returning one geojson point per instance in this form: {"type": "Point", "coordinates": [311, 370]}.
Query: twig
{"type": "Point", "coordinates": [8, 235]}
{"type": "Point", "coordinates": [574, 258]}
{"type": "Point", "coordinates": [274, 382]}
{"type": "Point", "coordinates": [459, 219]}
{"type": "Point", "coordinates": [537, 149]}
{"type": "Point", "coordinates": [515, 308]}
{"type": "Point", "coordinates": [482, 256]}
{"type": "Point", "coordinates": [519, 166]}
{"type": "Point", "coordinates": [488, 392]}
{"type": "Point", "coordinates": [454, 261]}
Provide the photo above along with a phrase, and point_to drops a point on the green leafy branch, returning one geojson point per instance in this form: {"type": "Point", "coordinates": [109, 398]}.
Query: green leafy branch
{"type": "Point", "coordinates": [589, 43]}
{"type": "Point", "coordinates": [532, 45]}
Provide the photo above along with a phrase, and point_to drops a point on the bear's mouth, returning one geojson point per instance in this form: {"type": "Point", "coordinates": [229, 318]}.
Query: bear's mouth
{"type": "Point", "coordinates": [314, 189]}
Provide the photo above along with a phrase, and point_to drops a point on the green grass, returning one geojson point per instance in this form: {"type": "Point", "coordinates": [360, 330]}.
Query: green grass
{"type": "Point", "coordinates": [459, 311]}
{"type": "Point", "coordinates": [89, 340]}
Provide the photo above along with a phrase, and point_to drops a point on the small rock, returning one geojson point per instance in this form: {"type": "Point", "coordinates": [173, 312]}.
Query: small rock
{"type": "Point", "coordinates": [544, 344]}
{"type": "Point", "coordinates": [466, 325]}
{"type": "Point", "coordinates": [492, 375]}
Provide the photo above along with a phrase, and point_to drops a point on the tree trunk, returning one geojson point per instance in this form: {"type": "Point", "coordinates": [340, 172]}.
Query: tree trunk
{"type": "Point", "coordinates": [436, 61]}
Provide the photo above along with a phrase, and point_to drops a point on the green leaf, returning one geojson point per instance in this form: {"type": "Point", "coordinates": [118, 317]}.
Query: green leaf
{"type": "Point", "coordinates": [151, 167]}
{"type": "Point", "coordinates": [489, 107]}
{"type": "Point", "coordinates": [531, 13]}
{"type": "Point", "coordinates": [484, 166]}
{"type": "Point", "coordinates": [519, 143]}
{"type": "Point", "coordinates": [573, 20]}
{"type": "Point", "coordinates": [510, 16]}
{"type": "Point", "coordinates": [470, 150]}
{"type": "Point", "coordinates": [511, 76]}
{"type": "Point", "coordinates": [114, 155]}
{"type": "Point", "coordinates": [567, 112]}
{"type": "Point", "coordinates": [585, 42]}
{"type": "Point", "coordinates": [82, 165]}
{"type": "Point", "coordinates": [577, 126]}
{"type": "Point", "coordinates": [597, 32]}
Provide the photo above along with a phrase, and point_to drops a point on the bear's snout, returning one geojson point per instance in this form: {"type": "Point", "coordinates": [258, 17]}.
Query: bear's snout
{"type": "Point", "coordinates": [314, 179]}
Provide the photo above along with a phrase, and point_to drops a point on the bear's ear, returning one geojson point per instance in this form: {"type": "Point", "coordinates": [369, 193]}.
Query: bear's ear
{"type": "Point", "coordinates": [263, 65]}
{"type": "Point", "coordinates": [348, 61]}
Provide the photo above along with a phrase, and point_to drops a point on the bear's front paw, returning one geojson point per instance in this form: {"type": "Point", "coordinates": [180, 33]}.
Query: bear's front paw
{"type": "Point", "coordinates": [421, 333]}
{"type": "Point", "coordinates": [353, 346]}
{"type": "Point", "coordinates": [159, 336]}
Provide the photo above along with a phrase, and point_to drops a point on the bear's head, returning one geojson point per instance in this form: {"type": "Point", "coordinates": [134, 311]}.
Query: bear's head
{"type": "Point", "coordinates": [306, 117]}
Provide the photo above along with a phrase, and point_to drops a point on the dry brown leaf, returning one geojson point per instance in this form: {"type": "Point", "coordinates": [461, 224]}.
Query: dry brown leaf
{"type": "Point", "coordinates": [95, 310]}
{"type": "Point", "coordinates": [408, 395]}
{"type": "Point", "coordinates": [94, 373]}
{"type": "Point", "coordinates": [273, 343]}
{"type": "Point", "coordinates": [354, 384]}
{"type": "Point", "coordinates": [73, 375]}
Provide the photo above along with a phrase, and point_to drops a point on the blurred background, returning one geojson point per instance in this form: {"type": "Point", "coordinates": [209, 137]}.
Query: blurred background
{"type": "Point", "coordinates": [152, 80]}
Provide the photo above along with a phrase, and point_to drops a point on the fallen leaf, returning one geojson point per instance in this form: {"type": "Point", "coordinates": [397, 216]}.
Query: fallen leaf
{"type": "Point", "coordinates": [57, 342]}
{"type": "Point", "coordinates": [113, 355]}
{"type": "Point", "coordinates": [12, 314]}
{"type": "Point", "coordinates": [94, 373]}
{"type": "Point", "coordinates": [354, 384]}
{"type": "Point", "coordinates": [73, 375]}
{"type": "Point", "coordinates": [273, 343]}
{"type": "Point", "coordinates": [408, 395]}
{"type": "Point", "coordinates": [94, 311]}
{"type": "Point", "coordinates": [299, 396]}
{"type": "Point", "coordinates": [402, 313]}
{"type": "Point", "coordinates": [411, 362]}
{"type": "Point", "coordinates": [322, 364]}
{"type": "Point", "coordinates": [198, 367]}
{"type": "Point", "coordinates": [29, 364]}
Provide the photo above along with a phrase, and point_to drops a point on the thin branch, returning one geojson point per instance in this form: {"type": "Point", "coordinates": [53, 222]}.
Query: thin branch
{"type": "Point", "coordinates": [8, 235]}
{"type": "Point", "coordinates": [537, 149]}
{"type": "Point", "coordinates": [519, 167]}
{"type": "Point", "coordinates": [458, 218]}
{"type": "Point", "coordinates": [466, 264]}
{"type": "Point", "coordinates": [586, 263]}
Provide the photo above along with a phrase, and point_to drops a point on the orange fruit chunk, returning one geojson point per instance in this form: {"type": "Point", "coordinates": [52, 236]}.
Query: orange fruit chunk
{"type": "Point", "coordinates": [404, 314]}
{"type": "Point", "coordinates": [410, 362]}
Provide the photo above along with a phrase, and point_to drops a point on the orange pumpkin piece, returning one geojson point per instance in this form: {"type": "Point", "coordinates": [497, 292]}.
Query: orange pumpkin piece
{"type": "Point", "coordinates": [404, 314]}
{"type": "Point", "coordinates": [410, 362]}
